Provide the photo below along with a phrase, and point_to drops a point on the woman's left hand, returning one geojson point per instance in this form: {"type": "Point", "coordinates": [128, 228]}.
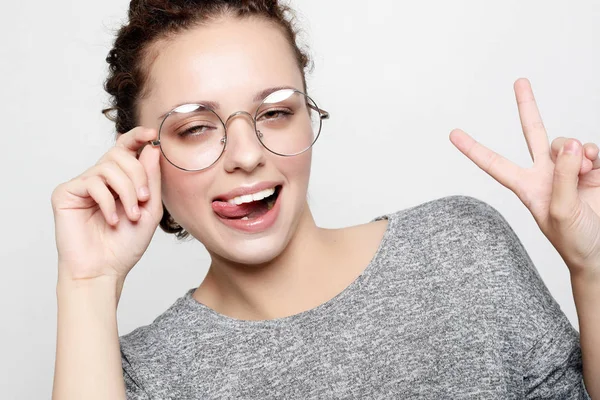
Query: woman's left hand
{"type": "Point", "coordinates": [561, 189]}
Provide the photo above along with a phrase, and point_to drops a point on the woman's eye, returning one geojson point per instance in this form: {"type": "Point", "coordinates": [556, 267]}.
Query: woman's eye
{"type": "Point", "coordinates": [274, 114]}
{"type": "Point", "coordinates": [196, 130]}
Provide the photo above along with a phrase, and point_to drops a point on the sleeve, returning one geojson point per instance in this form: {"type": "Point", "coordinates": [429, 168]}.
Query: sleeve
{"type": "Point", "coordinates": [133, 389]}
{"type": "Point", "coordinates": [551, 361]}
{"type": "Point", "coordinates": [553, 366]}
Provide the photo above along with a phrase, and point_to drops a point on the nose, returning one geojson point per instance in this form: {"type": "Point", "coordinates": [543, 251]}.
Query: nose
{"type": "Point", "coordinates": [244, 151]}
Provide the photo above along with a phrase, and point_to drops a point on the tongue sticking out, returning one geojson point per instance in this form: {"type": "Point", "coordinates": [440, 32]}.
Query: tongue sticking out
{"type": "Point", "coordinates": [233, 211]}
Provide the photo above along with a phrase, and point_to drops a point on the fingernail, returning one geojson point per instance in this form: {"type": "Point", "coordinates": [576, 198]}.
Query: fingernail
{"type": "Point", "coordinates": [144, 191]}
{"type": "Point", "coordinates": [115, 218]}
{"type": "Point", "coordinates": [572, 147]}
{"type": "Point", "coordinates": [135, 209]}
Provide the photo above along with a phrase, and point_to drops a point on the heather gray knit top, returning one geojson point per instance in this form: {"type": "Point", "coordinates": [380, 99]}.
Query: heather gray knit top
{"type": "Point", "coordinates": [450, 307]}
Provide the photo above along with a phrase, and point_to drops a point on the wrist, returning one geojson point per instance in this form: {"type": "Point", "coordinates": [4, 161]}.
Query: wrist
{"type": "Point", "coordinates": [107, 287]}
{"type": "Point", "coordinates": [587, 275]}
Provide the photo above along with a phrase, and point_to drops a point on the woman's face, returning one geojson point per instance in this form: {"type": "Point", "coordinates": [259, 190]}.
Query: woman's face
{"type": "Point", "coordinates": [228, 63]}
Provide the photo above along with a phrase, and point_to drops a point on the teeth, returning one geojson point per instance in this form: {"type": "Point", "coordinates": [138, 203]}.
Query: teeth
{"type": "Point", "coordinates": [249, 198]}
{"type": "Point", "coordinates": [261, 195]}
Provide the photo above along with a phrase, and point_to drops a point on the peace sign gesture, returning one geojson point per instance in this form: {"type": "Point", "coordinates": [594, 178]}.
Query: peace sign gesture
{"type": "Point", "coordinates": [561, 189]}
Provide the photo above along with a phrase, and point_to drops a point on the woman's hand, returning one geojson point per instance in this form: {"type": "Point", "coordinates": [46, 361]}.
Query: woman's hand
{"type": "Point", "coordinates": [106, 217]}
{"type": "Point", "coordinates": [561, 189]}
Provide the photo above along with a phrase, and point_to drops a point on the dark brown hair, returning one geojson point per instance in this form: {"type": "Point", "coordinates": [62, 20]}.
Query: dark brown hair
{"type": "Point", "coordinates": [153, 20]}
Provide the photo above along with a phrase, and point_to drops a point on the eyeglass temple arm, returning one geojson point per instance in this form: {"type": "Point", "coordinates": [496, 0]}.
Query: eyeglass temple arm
{"type": "Point", "coordinates": [322, 113]}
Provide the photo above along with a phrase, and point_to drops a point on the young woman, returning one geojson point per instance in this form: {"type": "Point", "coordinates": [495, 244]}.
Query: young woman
{"type": "Point", "coordinates": [215, 135]}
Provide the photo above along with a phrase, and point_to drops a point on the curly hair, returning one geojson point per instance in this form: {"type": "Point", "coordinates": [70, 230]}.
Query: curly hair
{"type": "Point", "coordinates": [152, 20]}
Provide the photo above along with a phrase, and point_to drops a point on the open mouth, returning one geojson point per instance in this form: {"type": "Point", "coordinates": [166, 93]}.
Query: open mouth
{"type": "Point", "coordinates": [248, 207]}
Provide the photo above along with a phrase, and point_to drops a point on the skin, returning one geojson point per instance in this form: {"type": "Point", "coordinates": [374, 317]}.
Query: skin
{"type": "Point", "coordinates": [106, 216]}
{"type": "Point", "coordinates": [294, 261]}
{"type": "Point", "coordinates": [562, 191]}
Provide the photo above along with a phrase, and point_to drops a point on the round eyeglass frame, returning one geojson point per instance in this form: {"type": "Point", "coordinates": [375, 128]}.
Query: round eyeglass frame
{"type": "Point", "coordinates": [312, 104]}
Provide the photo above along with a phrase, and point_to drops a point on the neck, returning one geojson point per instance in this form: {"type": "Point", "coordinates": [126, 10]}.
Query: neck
{"type": "Point", "coordinates": [284, 286]}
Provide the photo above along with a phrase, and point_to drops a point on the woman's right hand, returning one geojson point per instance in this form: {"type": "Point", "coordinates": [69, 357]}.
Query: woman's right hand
{"type": "Point", "coordinates": [91, 241]}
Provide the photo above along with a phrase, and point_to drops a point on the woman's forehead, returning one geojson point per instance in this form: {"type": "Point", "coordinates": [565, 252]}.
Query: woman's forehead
{"type": "Point", "coordinates": [230, 58]}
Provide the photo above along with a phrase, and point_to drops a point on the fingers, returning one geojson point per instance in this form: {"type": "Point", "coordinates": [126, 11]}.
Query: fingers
{"type": "Point", "coordinates": [591, 149]}
{"type": "Point", "coordinates": [112, 174]}
{"type": "Point", "coordinates": [120, 177]}
{"type": "Point", "coordinates": [591, 153]}
{"type": "Point", "coordinates": [566, 178]}
{"type": "Point", "coordinates": [95, 188]}
{"type": "Point", "coordinates": [150, 161]}
{"type": "Point", "coordinates": [531, 120]}
{"type": "Point", "coordinates": [557, 144]}
{"type": "Point", "coordinates": [498, 167]}
{"type": "Point", "coordinates": [136, 139]}
{"type": "Point", "coordinates": [118, 184]}
{"type": "Point", "coordinates": [132, 167]}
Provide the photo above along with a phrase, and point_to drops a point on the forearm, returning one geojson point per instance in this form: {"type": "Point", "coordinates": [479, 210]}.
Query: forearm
{"type": "Point", "coordinates": [586, 293]}
{"type": "Point", "coordinates": [88, 360]}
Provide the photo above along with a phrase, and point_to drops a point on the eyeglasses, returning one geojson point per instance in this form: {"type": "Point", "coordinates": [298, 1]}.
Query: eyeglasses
{"type": "Point", "coordinates": [193, 137]}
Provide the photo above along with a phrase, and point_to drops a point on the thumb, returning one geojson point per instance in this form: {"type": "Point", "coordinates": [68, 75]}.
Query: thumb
{"type": "Point", "coordinates": [150, 160]}
{"type": "Point", "coordinates": [565, 196]}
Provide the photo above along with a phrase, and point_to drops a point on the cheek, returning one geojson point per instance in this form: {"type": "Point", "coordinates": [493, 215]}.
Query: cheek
{"type": "Point", "coordinates": [182, 192]}
{"type": "Point", "coordinates": [169, 184]}
{"type": "Point", "coordinates": [297, 168]}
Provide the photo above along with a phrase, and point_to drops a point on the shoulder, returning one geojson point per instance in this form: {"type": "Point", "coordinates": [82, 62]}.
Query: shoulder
{"type": "Point", "coordinates": [164, 337]}
{"type": "Point", "coordinates": [465, 233]}
{"type": "Point", "coordinates": [450, 218]}
{"type": "Point", "coordinates": [450, 236]}
{"type": "Point", "coordinates": [466, 242]}
{"type": "Point", "coordinates": [173, 339]}
{"type": "Point", "coordinates": [450, 208]}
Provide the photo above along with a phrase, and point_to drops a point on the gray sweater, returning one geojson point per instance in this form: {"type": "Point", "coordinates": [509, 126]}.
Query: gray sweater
{"type": "Point", "coordinates": [450, 307]}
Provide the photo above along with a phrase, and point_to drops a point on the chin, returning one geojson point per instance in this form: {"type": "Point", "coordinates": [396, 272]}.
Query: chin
{"type": "Point", "coordinates": [254, 248]}
{"type": "Point", "coordinates": [256, 239]}
{"type": "Point", "coordinates": [254, 252]}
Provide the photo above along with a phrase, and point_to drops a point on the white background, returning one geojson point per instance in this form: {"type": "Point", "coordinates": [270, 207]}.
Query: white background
{"type": "Point", "coordinates": [420, 68]}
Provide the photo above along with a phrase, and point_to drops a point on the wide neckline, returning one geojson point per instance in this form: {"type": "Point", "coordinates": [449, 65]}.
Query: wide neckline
{"type": "Point", "coordinates": [323, 308]}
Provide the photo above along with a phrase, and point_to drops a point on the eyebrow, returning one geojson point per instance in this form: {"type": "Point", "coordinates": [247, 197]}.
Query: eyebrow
{"type": "Point", "coordinates": [260, 96]}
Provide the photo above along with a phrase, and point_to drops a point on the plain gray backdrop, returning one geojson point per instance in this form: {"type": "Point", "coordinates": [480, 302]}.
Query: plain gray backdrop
{"type": "Point", "coordinates": [396, 76]}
